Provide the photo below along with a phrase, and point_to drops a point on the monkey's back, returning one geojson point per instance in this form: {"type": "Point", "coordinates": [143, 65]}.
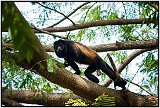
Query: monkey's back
{"type": "Point", "coordinates": [85, 55]}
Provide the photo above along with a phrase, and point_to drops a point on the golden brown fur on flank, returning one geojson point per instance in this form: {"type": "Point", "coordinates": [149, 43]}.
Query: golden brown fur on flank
{"type": "Point", "coordinates": [88, 55]}
{"type": "Point", "coordinates": [85, 50]}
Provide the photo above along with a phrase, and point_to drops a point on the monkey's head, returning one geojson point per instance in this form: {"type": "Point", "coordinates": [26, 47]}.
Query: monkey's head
{"type": "Point", "coordinates": [60, 48]}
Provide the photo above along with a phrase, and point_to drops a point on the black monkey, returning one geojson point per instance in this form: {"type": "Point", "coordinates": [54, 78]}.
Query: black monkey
{"type": "Point", "coordinates": [76, 52]}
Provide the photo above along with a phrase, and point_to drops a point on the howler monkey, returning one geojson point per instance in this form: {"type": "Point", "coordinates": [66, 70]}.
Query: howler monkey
{"type": "Point", "coordinates": [76, 52]}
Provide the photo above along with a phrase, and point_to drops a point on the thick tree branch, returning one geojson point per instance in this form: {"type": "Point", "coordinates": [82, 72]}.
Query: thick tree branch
{"type": "Point", "coordinates": [126, 45]}
{"type": "Point", "coordinates": [41, 98]}
{"type": "Point", "coordinates": [10, 102]}
{"type": "Point", "coordinates": [95, 24]}
{"type": "Point", "coordinates": [118, 46]}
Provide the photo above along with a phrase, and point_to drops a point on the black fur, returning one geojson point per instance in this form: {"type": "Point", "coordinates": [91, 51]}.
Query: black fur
{"type": "Point", "coordinates": [76, 52]}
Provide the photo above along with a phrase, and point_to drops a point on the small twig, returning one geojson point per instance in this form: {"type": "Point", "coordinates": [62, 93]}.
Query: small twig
{"type": "Point", "coordinates": [69, 14]}
{"type": "Point", "coordinates": [57, 12]}
{"type": "Point", "coordinates": [112, 63]}
{"type": "Point", "coordinates": [142, 88]}
{"type": "Point", "coordinates": [54, 35]}
{"type": "Point", "coordinates": [134, 76]}
{"type": "Point", "coordinates": [125, 10]}
{"type": "Point", "coordinates": [88, 10]}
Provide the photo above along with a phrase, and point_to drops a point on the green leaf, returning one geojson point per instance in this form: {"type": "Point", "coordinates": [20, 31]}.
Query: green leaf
{"type": "Point", "coordinates": [50, 66]}
{"type": "Point", "coordinates": [104, 100]}
{"type": "Point", "coordinates": [75, 102]}
{"type": "Point", "coordinates": [94, 14]}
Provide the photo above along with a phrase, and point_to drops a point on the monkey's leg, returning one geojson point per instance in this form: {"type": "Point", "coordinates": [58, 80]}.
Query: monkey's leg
{"type": "Point", "coordinates": [118, 81]}
{"type": "Point", "coordinates": [88, 73]}
{"type": "Point", "coordinates": [104, 67]}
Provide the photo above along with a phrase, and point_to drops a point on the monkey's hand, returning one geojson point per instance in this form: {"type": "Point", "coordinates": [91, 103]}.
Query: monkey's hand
{"type": "Point", "coordinates": [66, 64]}
{"type": "Point", "coordinates": [77, 73]}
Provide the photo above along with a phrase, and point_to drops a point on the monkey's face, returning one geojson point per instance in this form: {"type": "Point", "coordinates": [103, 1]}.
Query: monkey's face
{"type": "Point", "coordinates": [60, 49]}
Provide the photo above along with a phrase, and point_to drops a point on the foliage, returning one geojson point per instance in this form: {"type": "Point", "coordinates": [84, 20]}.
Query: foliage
{"type": "Point", "coordinates": [150, 66]}
{"type": "Point", "coordinates": [15, 77]}
{"type": "Point", "coordinates": [94, 14]}
{"type": "Point", "coordinates": [23, 37]}
{"type": "Point", "coordinates": [75, 102]}
{"type": "Point", "coordinates": [50, 66]}
{"type": "Point", "coordinates": [150, 12]}
{"type": "Point", "coordinates": [104, 100]}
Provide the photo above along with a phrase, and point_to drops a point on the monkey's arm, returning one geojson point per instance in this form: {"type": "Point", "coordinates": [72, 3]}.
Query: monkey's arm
{"type": "Point", "coordinates": [73, 65]}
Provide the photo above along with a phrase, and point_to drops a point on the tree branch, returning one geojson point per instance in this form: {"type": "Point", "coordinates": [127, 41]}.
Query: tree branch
{"type": "Point", "coordinates": [150, 44]}
{"type": "Point", "coordinates": [54, 35]}
{"type": "Point", "coordinates": [69, 14]}
{"type": "Point", "coordinates": [126, 45]}
{"type": "Point", "coordinates": [57, 12]}
{"type": "Point", "coordinates": [95, 24]}
{"type": "Point", "coordinates": [88, 10]}
{"type": "Point", "coordinates": [112, 62]}
{"type": "Point", "coordinates": [153, 44]}
{"type": "Point", "coordinates": [142, 88]}
{"type": "Point", "coordinates": [41, 98]}
{"type": "Point", "coordinates": [10, 102]}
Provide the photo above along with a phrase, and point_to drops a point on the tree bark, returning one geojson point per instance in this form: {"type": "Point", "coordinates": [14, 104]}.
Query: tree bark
{"type": "Point", "coordinates": [150, 44]}
{"type": "Point", "coordinates": [10, 102]}
{"type": "Point", "coordinates": [95, 24]}
{"type": "Point", "coordinates": [41, 98]}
